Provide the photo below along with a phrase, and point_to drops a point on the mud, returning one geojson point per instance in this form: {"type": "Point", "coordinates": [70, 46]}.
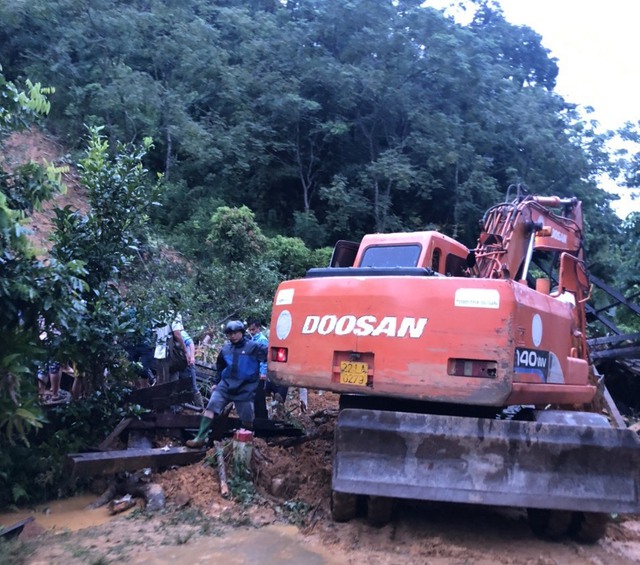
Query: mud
{"type": "Point", "coordinates": [288, 520]}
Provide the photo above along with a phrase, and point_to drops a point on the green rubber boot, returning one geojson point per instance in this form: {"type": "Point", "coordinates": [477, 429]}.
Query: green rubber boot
{"type": "Point", "coordinates": [199, 441]}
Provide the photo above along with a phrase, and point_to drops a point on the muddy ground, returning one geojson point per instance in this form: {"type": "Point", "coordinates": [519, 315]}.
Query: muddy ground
{"type": "Point", "coordinates": [291, 505]}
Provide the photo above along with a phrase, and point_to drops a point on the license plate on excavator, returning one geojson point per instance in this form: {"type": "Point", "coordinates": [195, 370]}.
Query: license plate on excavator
{"type": "Point", "coordinates": [352, 373]}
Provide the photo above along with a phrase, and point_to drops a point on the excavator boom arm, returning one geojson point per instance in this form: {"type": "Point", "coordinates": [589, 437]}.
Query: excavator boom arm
{"type": "Point", "coordinates": [512, 231]}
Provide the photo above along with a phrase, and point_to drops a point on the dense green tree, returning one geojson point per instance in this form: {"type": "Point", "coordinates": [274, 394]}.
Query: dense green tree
{"type": "Point", "coordinates": [105, 241]}
{"type": "Point", "coordinates": [326, 119]}
{"type": "Point", "coordinates": [33, 293]}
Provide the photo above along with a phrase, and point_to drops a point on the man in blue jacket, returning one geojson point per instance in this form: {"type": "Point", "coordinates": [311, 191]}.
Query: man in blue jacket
{"type": "Point", "coordinates": [237, 379]}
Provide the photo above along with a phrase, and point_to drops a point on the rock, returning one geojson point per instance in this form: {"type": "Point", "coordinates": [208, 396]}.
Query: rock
{"type": "Point", "coordinates": [154, 495]}
{"type": "Point", "coordinates": [278, 487]}
{"type": "Point", "coordinates": [181, 499]}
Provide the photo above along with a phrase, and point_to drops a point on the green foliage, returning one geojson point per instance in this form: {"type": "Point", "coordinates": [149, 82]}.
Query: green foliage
{"type": "Point", "coordinates": [33, 293]}
{"type": "Point", "coordinates": [235, 235]}
{"type": "Point", "coordinates": [307, 228]}
{"type": "Point", "coordinates": [329, 120]}
{"type": "Point", "coordinates": [18, 108]}
{"type": "Point", "coordinates": [241, 485]}
{"type": "Point", "coordinates": [310, 122]}
{"type": "Point", "coordinates": [293, 258]}
{"type": "Point", "coordinates": [105, 241]}
{"type": "Point", "coordinates": [29, 185]}
{"type": "Point", "coordinates": [296, 512]}
{"type": "Point", "coordinates": [37, 472]}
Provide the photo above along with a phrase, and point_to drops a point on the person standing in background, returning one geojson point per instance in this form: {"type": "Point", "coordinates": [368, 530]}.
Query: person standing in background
{"type": "Point", "coordinates": [190, 371]}
{"type": "Point", "coordinates": [254, 327]}
{"type": "Point", "coordinates": [164, 331]}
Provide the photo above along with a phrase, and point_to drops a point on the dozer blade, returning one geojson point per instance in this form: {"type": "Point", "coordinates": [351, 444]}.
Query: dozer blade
{"type": "Point", "coordinates": [484, 461]}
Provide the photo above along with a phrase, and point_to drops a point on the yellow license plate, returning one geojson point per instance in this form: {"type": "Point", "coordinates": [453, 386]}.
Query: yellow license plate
{"type": "Point", "coordinates": [353, 373]}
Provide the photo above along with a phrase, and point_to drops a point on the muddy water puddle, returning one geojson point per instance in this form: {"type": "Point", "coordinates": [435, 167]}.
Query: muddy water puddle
{"type": "Point", "coordinates": [271, 545]}
{"type": "Point", "coordinates": [69, 514]}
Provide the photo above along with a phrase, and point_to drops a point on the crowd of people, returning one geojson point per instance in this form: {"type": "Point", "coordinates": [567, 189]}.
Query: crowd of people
{"type": "Point", "coordinates": [240, 371]}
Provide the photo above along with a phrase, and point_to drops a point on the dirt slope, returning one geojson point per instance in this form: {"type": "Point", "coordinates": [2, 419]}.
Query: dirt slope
{"type": "Point", "coordinates": [34, 145]}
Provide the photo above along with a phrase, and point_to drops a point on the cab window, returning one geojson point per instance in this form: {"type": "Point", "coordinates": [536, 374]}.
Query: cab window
{"type": "Point", "coordinates": [391, 256]}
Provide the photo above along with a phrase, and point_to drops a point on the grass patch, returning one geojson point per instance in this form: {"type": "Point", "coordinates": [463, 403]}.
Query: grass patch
{"type": "Point", "coordinates": [16, 552]}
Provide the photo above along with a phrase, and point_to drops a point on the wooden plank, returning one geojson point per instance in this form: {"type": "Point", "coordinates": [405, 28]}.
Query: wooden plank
{"type": "Point", "coordinates": [108, 441]}
{"type": "Point", "coordinates": [614, 293]}
{"type": "Point", "coordinates": [613, 409]}
{"type": "Point", "coordinates": [619, 353]}
{"type": "Point", "coordinates": [607, 340]}
{"type": "Point", "coordinates": [167, 420]}
{"type": "Point", "coordinates": [270, 428]}
{"type": "Point", "coordinates": [261, 426]}
{"type": "Point", "coordinates": [14, 530]}
{"type": "Point", "coordinates": [222, 473]}
{"type": "Point", "coordinates": [110, 462]}
{"type": "Point", "coordinates": [163, 395]}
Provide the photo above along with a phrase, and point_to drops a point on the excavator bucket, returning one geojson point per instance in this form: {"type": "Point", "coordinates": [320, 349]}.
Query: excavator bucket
{"type": "Point", "coordinates": [564, 466]}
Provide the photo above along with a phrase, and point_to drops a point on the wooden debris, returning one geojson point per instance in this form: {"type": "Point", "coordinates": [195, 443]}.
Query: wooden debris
{"type": "Point", "coordinates": [14, 530]}
{"type": "Point", "coordinates": [121, 504]}
{"type": "Point", "coordinates": [613, 409]}
{"type": "Point", "coordinates": [291, 441]}
{"type": "Point", "coordinates": [109, 462]}
{"type": "Point", "coordinates": [108, 441]}
{"type": "Point", "coordinates": [166, 420]}
{"type": "Point", "coordinates": [222, 473]}
{"type": "Point", "coordinates": [162, 396]}
{"type": "Point", "coordinates": [105, 497]}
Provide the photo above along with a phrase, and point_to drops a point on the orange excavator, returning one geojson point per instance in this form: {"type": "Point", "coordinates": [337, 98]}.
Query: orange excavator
{"type": "Point", "coordinates": [464, 375]}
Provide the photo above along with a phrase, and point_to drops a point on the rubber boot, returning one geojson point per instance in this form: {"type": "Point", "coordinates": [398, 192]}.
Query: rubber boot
{"type": "Point", "coordinates": [201, 438]}
{"type": "Point", "coordinates": [260, 401]}
{"type": "Point", "coordinates": [198, 400]}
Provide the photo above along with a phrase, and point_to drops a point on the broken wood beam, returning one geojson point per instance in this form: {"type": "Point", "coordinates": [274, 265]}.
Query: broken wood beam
{"type": "Point", "coordinates": [163, 395]}
{"type": "Point", "coordinates": [109, 462]}
{"type": "Point", "coordinates": [166, 420]}
{"type": "Point", "coordinates": [613, 409]}
{"type": "Point", "coordinates": [108, 441]}
{"type": "Point", "coordinates": [222, 473]}
{"type": "Point", "coordinates": [629, 352]}
{"type": "Point", "coordinates": [14, 530]}
{"type": "Point", "coordinates": [261, 426]}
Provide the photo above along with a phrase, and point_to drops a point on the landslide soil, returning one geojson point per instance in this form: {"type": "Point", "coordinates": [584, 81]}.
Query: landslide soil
{"type": "Point", "coordinates": [292, 487]}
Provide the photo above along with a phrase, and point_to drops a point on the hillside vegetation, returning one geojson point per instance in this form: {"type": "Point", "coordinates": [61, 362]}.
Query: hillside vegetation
{"type": "Point", "coordinates": [222, 146]}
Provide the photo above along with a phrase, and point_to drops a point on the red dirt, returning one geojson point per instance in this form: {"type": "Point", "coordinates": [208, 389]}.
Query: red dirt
{"type": "Point", "coordinates": [33, 145]}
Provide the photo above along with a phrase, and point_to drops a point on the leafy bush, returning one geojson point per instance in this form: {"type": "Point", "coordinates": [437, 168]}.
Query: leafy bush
{"type": "Point", "coordinates": [38, 471]}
